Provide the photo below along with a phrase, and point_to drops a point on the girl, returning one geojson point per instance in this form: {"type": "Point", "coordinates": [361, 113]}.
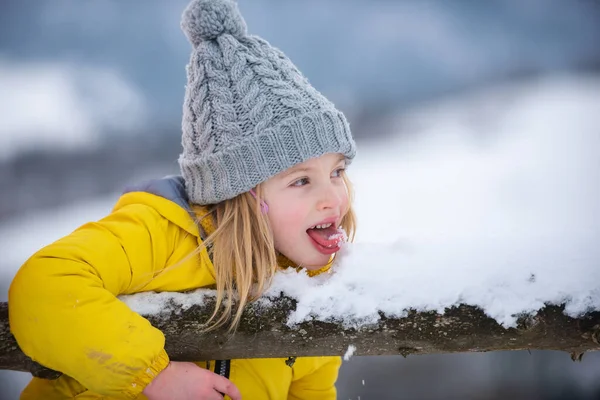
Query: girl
{"type": "Point", "coordinates": [262, 188]}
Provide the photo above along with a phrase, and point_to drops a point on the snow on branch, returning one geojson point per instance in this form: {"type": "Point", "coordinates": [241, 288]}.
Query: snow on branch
{"type": "Point", "coordinates": [264, 332]}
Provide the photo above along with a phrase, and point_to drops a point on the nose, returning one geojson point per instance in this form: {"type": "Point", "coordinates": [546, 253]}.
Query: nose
{"type": "Point", "coordinates": [330, 197]}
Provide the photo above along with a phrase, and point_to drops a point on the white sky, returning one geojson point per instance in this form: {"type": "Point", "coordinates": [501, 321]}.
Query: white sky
{"type": "Point", "coordinates": [496, 187]}
{"type": "Point", "coordinates": [62, 106]}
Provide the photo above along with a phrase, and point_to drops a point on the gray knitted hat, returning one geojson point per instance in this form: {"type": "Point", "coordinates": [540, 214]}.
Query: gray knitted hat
{"type": "Point", "coordinates": [248, 112]}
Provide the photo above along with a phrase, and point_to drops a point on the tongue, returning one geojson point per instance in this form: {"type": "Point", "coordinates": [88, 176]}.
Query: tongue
{"type": "Point", "coordinates": [328, 237]}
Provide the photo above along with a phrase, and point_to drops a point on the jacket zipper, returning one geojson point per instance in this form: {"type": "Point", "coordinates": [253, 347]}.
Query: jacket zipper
{"type": "Point", "coordinates": [222, 367]}
{"type": "Point", "coordinates": [290, 361]}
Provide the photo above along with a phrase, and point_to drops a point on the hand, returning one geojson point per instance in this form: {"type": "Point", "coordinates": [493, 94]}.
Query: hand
{"type": "Point", "coordinates": [187, 381]}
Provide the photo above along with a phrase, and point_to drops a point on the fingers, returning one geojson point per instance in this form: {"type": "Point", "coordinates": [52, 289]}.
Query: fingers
{"type": "Point", "coordinates": [214, 395]}
{"type": "Point", "coordinates": [225, 386]}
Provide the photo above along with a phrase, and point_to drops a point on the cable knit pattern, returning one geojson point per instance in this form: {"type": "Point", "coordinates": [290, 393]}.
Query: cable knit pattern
{"type": "Point", "coordinates": [248, 112]}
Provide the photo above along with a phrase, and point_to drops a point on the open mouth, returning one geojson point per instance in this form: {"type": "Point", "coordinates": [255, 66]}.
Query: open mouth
{"type": "Point", "coordinates": [327, 238]}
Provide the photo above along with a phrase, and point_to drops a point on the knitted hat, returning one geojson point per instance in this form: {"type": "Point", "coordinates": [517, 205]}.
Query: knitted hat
{"type": "Point", "coordinates": [248, 112]}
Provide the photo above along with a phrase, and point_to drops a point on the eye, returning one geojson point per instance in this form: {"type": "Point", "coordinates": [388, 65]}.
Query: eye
{"type": "Point", "coordinates": [300, 182]}
{"type": "Point", "coordinates": [338, 172]}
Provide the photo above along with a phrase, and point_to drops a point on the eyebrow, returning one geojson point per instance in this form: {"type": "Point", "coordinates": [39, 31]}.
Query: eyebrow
{"type": "Point", "coordinates": [294, 170]}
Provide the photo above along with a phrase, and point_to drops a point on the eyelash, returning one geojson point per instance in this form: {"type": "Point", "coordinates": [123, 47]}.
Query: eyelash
{"type": "Point", "coordinates": [339, 171]}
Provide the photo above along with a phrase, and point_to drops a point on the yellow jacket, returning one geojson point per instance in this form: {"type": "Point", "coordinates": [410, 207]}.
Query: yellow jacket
{"type": "Point", "coordinates": [65, 314]}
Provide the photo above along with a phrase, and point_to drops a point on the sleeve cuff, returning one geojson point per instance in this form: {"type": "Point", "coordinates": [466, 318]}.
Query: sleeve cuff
{"type": "Point", "coordinates": [144, 378]}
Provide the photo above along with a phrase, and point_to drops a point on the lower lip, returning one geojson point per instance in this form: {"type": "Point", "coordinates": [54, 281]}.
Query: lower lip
{"type": "Point", "coordinates": [323, 249]}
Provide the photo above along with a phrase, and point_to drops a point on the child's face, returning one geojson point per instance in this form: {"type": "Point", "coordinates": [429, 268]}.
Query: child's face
{"type": "Point", "coordinates": [308, 194]}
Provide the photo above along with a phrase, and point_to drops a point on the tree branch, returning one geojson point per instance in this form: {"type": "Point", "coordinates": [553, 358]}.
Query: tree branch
{"type": "Point", "coordinates": [263, 333]}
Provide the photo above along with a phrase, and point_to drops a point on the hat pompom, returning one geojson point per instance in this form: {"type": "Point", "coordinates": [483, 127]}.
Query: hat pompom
{"type": "Point", "coordinates": [207, 19]}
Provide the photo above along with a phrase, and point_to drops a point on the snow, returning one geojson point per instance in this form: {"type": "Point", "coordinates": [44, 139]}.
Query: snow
{"type": "Point", "coordinates": [349, 352]}
{"type": "Point", "coordinates": [493, 203]}
{"type": "Point", "coordinates": [149, 303]}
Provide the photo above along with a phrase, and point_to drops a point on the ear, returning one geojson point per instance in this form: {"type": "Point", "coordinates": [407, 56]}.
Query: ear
{"type": "Point", "coordinates": [263, 206]}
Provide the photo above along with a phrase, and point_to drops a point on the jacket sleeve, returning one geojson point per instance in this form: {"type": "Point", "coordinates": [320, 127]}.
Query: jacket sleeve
{"type": "Point", "coordinates": [63, 308]}
{"type": "Point", "coordinates": [319, 384]}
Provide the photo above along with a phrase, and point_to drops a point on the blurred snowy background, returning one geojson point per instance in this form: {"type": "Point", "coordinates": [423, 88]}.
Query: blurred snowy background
{"type": "Point", "coordinates": [90, 100]}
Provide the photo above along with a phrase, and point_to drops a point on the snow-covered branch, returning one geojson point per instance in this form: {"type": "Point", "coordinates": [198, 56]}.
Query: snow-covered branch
{"type": "Point", "coordinates": [264, 332]}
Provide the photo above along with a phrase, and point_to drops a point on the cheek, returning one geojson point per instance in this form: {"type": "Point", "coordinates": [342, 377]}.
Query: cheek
{"type": "Point", "coordinates": [291, 218]}
{"type": "Point", "coordinates": [288, 224]}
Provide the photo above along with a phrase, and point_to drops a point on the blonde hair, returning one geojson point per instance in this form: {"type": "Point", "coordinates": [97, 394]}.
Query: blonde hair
{"type": "Point", "coordinates": [243, 253]}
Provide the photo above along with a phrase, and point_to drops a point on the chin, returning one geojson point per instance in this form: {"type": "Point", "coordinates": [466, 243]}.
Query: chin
{"type": "Point", "coordinates": [307, 256]}
{"type": "Point", "coordinates": [315, 263]}
{"type": "Point", "coordinates": [314, 267]}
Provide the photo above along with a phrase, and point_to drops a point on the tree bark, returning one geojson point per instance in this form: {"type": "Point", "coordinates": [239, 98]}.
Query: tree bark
{"type": "Point", "coordinates": [263, 333]}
